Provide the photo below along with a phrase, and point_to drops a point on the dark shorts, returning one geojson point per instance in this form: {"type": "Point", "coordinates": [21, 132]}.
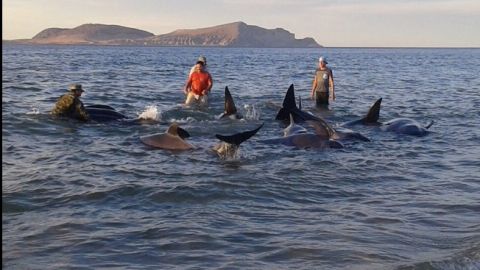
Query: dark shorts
{"type": "Point", "coordinates": [321, 98]}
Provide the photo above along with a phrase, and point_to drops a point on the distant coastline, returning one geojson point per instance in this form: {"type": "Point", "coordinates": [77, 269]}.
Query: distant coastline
{"type": "Point", "coordinates": [234, 35]}
{"type": "Point", "coordinates": [16, 43]}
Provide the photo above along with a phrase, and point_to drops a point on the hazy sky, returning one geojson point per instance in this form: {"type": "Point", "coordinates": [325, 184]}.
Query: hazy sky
{"type": "Point", "coordinates": [332, 23]}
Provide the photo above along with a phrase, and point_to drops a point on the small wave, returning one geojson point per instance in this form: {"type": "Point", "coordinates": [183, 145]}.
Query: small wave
{"type": "Point", "coordinates": [468, 260]}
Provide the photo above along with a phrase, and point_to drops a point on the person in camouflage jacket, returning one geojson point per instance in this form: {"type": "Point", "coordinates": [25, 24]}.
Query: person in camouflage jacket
{"type": "Point", "coordinates": [70, 105]}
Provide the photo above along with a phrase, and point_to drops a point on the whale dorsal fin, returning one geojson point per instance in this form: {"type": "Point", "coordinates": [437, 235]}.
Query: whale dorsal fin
{"type": "Point", "coordinates": [289, 100]}
{"type": "Point", "coordinates": [238, 138]}
{"type": "Point", "coordinates": [374, 112]}
{"type": "Point", "coordinates": [229, 104]}
{"type": "Point", "coordinates": [175, 130]}
{"type": "Point", "coordinates": [429, 124]}
{"type": "Point", "coordinates": [299, 102]}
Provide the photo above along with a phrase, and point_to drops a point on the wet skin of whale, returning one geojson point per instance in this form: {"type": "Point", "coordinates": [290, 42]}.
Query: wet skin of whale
{"type": "Point", "coordinates": [103, 113]}
{"type": "Point", "coordinates": [174, 139]}
{"type": "Point", "coordinates": [230, 110]}
{"type": "Point", "coordinates": [398, 125]}
{"type": "Point", "coordinates": [406, 126]}
{"type": "Point", "coordinates": [321, 139]}
{"type": "Point", "coordinates": [293, 128]}
{"type": "Point", "coordinates": [289, 106]}
{"type": "Point", "coordinates": [338, 134]}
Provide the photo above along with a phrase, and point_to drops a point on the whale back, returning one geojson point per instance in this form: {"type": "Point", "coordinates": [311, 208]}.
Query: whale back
{"type": "Point", "coordinates": [293, 128]}
{"type": "Point", "coordinates": [172, 139]}
{"type": "Point", "coordinates": [103, 113]}
{"type": "Point", "coordinates": [406, 126]}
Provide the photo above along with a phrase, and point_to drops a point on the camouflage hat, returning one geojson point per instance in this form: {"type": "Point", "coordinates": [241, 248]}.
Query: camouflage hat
{"type": "Point", "coordinates": [75, 87]}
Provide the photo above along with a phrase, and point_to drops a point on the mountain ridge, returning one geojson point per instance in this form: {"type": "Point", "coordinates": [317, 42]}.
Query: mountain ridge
{"type": "Point", "coordinates": [236, 34]}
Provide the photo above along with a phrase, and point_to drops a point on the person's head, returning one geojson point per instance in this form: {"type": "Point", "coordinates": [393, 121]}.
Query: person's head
{"type": "Point", "coordinates": [76, 89]}
{"type": "Point", "coordinates": [199, 66]}
{"type": "Point", "coordinates": [202, 59]}
{"type": "Point", "coordinates": [322, 61]}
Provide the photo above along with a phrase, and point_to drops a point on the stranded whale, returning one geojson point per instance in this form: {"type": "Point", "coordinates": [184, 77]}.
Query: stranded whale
{"type": "Point", "coordinates": [398, 125]}
{"type": "Point", "coordinates": [321, 139]}
{"type": "Point", "coordinates": [174, 139]}
{"type": "Point", "coordinates": [289, 106]}
{"type": "Point", "coordinates": [293, 128]}
{"type": "Point", "coordinates": [230, 110]}
{"type": "Point", "coordinates": [103, 113]}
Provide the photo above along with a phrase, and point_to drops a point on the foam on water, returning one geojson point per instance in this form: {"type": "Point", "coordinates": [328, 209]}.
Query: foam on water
{"type": "Point", "coordinates": [151, 112]}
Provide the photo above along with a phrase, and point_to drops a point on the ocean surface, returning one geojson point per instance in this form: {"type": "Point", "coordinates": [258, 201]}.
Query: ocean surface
{"type": "Point", "coordinates": [92, 196]}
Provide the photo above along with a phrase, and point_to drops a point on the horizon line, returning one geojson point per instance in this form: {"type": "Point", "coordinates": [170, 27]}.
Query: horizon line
{"type": "Point", "coordinates": [226, 47]}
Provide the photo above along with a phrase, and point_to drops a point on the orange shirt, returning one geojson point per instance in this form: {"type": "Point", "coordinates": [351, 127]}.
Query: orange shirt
{"type": "Point", "coordinates": [200, 81]}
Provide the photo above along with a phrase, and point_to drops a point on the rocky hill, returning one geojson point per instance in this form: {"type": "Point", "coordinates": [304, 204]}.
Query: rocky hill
{"type": "Point", "coordinates": [237, 34]}
{"type": "Point", "coordinates": [89, 34]}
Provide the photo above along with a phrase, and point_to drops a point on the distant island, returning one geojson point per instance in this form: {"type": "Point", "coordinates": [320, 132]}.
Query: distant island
{"type": "Point", "coordinates": [237, 34]}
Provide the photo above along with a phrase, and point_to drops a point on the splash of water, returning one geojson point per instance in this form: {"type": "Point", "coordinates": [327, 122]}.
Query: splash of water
{"type": "Point", "coordinates": [228, 151]}
{"type": "Point", "coordinates": [251, 112]}
{"type": "Point", "coordinates": [188, 119]}
{"type": "Point", "coordinates": [34, 111]}
{"type": "Point", "coordinates": [150, 113]}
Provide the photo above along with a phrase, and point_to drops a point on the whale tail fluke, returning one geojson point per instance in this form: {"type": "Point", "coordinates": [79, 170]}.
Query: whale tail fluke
{"type": "Point", "coordinates": [238, 138]}
{"type": "Point", "coordinates": [374, 113]}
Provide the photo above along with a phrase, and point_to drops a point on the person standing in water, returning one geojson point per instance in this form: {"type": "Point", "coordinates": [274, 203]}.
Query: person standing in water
{"type": "Point", "coordinates": [323, 87]}
{"type": "Point", "coordinates": [198, 85]}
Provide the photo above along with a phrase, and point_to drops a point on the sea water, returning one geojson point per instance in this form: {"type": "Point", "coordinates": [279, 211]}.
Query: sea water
{"type": "Point", "coordinates": [92, 196]}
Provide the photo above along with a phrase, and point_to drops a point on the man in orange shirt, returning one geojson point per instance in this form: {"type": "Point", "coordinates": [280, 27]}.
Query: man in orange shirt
{"type": "Point", "coordinates": [198, 85]}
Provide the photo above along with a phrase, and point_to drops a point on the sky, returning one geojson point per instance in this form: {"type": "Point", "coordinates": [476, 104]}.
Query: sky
{"type": "Point", "coordinates": [332, 23]}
